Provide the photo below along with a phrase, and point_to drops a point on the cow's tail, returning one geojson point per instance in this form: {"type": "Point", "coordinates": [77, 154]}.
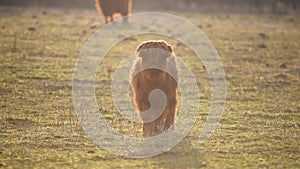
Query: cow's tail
{"type": "Point", "coordinates": [98, 6]}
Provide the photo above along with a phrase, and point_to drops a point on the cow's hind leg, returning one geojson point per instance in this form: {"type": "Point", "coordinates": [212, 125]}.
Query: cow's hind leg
{"type": "Point", "coordinates": [148, 129]}
{"type": "Point", "coordinates": [125, 17]}
{"type": "Point", "coordinates": [152, 128]}
{"type": "Point", "coordinates": [112, 18]}
{"type": "Point", "coordinates": [107, 19]}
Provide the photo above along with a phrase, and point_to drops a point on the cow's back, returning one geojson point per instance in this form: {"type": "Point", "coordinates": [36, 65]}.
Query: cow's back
{"type": "Point", "coordinates": [109, 7]}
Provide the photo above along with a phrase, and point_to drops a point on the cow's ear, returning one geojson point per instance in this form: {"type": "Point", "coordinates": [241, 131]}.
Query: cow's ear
{"type": "Point", "coordinates": [170, 49]}
{"type": "Point", "coordinates": [141, 47]}
{"type": "Point", "coordinates": [139, 50]}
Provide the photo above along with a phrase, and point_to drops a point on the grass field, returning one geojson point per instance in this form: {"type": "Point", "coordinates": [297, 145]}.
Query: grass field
{"type": "Point", "coordinates": [260, 127]}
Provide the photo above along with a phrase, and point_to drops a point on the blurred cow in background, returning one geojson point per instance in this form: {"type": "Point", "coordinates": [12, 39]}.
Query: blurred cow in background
{"type": "Point", "coordinates": [110, 7]}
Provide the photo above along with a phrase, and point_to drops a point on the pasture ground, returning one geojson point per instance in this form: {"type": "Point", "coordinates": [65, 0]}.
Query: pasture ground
{"type": "Point", "coordinates": [260, 127]}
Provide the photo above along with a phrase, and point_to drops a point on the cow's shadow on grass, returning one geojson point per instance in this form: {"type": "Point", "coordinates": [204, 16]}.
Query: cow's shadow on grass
{"type": "Point", "coordinates": [184, 155]}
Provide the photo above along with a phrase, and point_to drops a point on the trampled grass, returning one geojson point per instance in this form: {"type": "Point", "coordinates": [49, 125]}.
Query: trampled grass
{"type": "Point", "coordinates": [260, 127]}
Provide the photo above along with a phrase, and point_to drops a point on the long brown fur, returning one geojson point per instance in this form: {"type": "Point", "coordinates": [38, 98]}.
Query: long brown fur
{"type": "Point", "coordinates": [110, 7]}
{"type": "Point", "coordinates": [145, 80]}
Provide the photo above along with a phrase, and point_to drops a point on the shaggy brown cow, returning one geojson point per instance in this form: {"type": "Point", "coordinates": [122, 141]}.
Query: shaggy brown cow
{"type": "Point", "coordinates": [155, 68]}
{"type": "Point", "coordinates": [110, 7]}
